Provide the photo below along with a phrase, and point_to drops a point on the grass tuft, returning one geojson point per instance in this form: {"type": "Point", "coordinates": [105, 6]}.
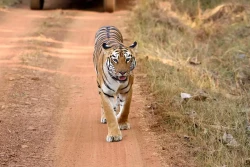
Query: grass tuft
{"type": "Point", "coordinates": [193, 46]}
{"type": "Point", "coordinates": [4, 3]}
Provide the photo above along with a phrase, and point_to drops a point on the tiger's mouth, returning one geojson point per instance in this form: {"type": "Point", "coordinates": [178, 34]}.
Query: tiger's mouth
{"type": "Point", "coordinates": [122, 78]}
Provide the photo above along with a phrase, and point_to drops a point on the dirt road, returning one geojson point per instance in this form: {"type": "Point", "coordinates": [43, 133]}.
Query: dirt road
{"type": "Point", "coordinates": [49, 103]}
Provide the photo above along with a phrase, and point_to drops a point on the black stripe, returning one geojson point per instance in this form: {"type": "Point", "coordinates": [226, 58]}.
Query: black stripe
{"type": "Point", "coordinates": [104, 73]}
{"type": "Point", "coordinates": [105, 76]}
{"type": "Point", "coordinates": [108, 95]}
{"type": "Point", "coordinates": [125, 86]}
{"type": "Point", "coordinates": [127, 91]}
{"type": "Point", "coordinates": [114, 78]}
{"type": "Point", "coordinates": [108, 31]}
{"type": "Point", "coordinates": [107, 85]}
{"type": "Point", "coordinates": [98, 85]}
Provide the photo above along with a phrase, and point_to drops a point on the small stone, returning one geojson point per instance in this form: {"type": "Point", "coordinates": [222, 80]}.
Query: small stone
{"type": "Point", "coordinates": [194, 61]}
{"type": "Point", "coordinates": [31, 128]}
{"type": "Point", "coordinates": [247, 161]}
{"type": "Point", "coordinates": [11, 78]}
{"type": "Point", "coordinates": [27, 103]}
{"type": "Point", "coordinates": [35, 78]}
{"type": "Point", "coordinates": [229, 140]}
{"type": "Point", "coordinates": [34, 99]}
{"type": "Point", "coordinates": [163, 148]}
{"type": "Point", "coordinates": [186, 137]}
{"type": "Point", "coordinates": [185, 96]}
{"type": "Point", "coordinates": [192, 114]}
{"type": "Point", "coordinates": [152, 106]}
{"type": "Point", "coordinates": [24, 146]}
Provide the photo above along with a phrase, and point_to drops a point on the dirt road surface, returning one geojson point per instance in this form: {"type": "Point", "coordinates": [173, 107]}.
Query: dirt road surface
{"type": "Point", "coordinates": [49, 103]}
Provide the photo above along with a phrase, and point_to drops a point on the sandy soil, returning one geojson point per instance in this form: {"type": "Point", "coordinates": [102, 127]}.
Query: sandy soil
{"type": "Point", "coordinates": [49, 103]}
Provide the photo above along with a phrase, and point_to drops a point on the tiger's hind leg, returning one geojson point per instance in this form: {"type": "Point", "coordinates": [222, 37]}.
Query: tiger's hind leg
{"type": "Point", "coordinates": [122, 117]}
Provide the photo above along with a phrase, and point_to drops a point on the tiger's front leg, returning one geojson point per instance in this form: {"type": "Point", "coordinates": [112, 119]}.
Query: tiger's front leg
{"type": "Point", "coordinates": [122, 117]}
{"type": "Point", "coordinates": [103, 118]}
{"type": "Point", "coordinates": [114, 133]}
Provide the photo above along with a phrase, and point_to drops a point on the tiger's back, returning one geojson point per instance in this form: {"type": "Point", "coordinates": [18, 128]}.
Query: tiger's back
{"type": "Point", "coordinates": [106, 34]}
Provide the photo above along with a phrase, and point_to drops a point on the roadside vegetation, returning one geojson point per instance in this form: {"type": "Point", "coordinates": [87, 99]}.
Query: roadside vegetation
{"type": "Point", "coordinates": [5, 3]}
{"type": "Point", "coordinates": [196, 56]}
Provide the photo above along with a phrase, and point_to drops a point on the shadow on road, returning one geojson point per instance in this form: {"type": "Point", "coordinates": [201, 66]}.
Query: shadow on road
{"type": "Point", "coordinates": [88, 5]}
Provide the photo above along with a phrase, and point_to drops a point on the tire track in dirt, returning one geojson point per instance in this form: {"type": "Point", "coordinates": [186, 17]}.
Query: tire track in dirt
{"type": "Point", "coordinates": [29, 95]}
{"type": "Point", "coordinates": [25, 116]}
{"type": "Point", "coordinates": [81, 139]}
{"type": "Point", "coordinates": [38, 103]}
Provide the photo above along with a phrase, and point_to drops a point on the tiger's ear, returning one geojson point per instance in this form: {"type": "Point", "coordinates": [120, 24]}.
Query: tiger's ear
{"type": "Point", "coordinates": [133, 46]}
{"type": "Point", "coordinates": [105, 48]}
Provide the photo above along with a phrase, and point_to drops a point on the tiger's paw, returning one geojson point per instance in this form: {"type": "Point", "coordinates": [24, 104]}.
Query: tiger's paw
{"type": "Point", "coordinates": [113, 138]}
{"type": "Point", "coordinates": [124, 126]}
{"type": "Point", "coordinates": [103, 120]}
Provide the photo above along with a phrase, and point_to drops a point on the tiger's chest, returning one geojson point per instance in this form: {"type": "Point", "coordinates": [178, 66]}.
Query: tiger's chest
{"type": "Point", "coordinates": [114, 87]}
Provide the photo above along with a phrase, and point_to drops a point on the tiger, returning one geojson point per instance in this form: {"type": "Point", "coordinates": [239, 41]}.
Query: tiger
{"type": "Point", "coordinates": [114, 64]}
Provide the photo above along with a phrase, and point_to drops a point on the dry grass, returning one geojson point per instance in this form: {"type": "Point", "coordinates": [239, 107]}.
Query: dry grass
{"type": "Point", "coordinates": [205, 50]}
{"type": "Point", "coordinates": [194, 7]}
{"type": "Point", "coordinates": [5, 3]}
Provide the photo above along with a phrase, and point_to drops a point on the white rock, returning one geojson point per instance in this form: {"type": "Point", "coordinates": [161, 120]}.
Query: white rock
{"type": "Point", "coordinates": [229, 140]}
{"type": "Point", "coordinates": [24, 146]}
{"type": "Point", "coordinates": [185, 96]}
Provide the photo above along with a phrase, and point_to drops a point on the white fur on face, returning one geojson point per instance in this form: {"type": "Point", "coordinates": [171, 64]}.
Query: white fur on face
{"type": "Point", "coordinates": [115, 56]}
{"type": "Point", "coordinates": [126, 53]}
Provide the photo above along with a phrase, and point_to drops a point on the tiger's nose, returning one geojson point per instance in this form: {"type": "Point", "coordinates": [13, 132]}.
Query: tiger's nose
{"type": "Point", "coordinates": [122, 72]}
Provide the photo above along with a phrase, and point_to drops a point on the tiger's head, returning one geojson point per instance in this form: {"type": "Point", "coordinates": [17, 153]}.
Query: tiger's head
{"type": "Point", "coordinates": [120, 60]}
